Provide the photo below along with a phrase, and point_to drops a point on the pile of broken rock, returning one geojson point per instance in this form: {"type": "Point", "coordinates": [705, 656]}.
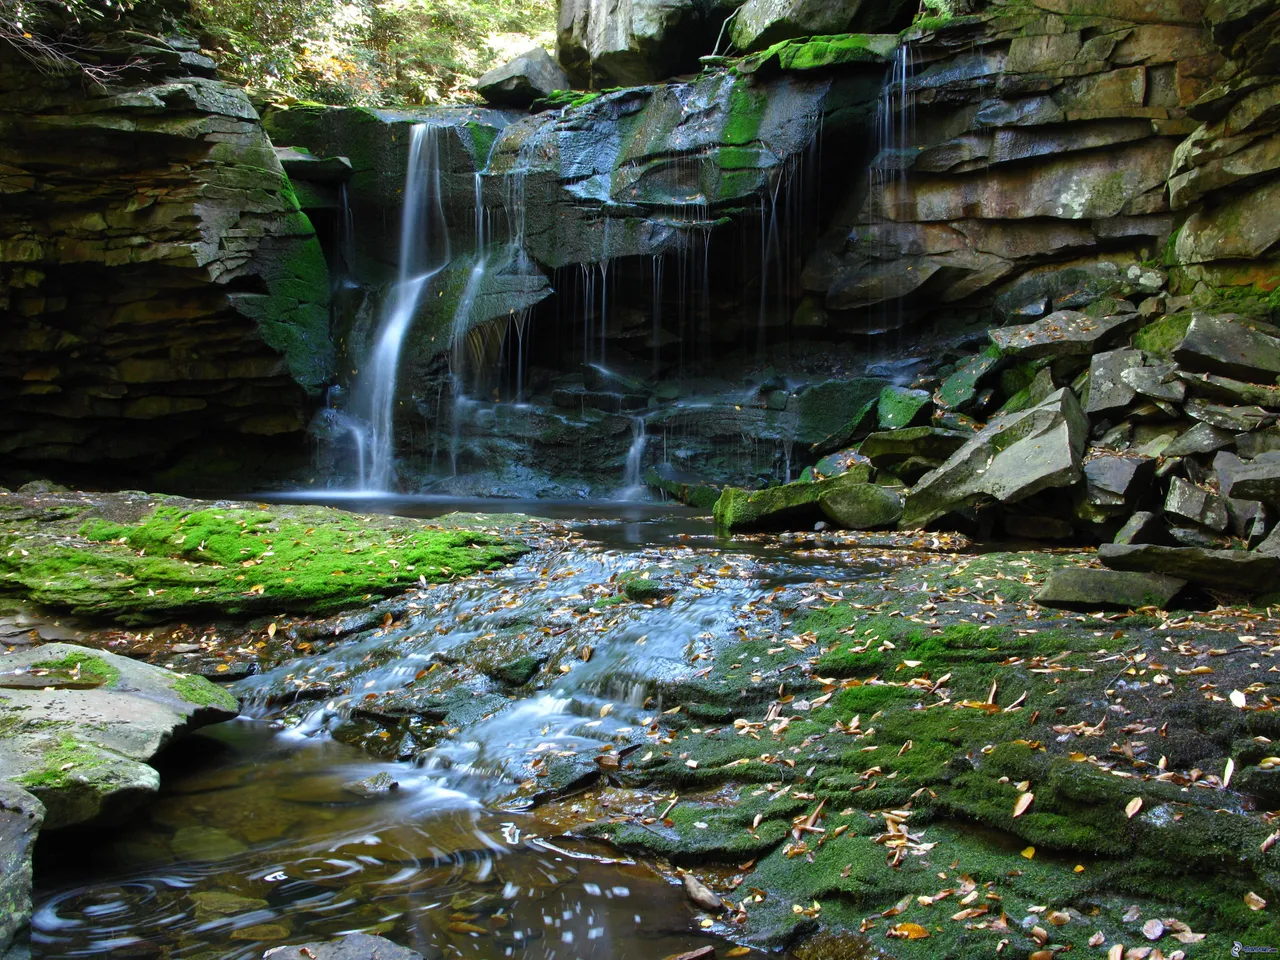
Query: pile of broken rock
{"type": "Point", "coordinates": [1143, 422]}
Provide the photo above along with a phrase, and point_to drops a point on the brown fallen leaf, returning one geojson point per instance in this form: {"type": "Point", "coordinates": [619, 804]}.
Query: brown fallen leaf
{"type": "Point", "coordinates": [1098, 939]}
{"type": "Point", "coordinates": [1116, 952]}
{"type": "Point", "coordinates": [1253, 901]}
{"type": "Point", "coordinates": [1153, 929]}
{"type": "Point", "coordinates": [1132, 807]}
{"type": "Point", "coordinates": [1020, 805]}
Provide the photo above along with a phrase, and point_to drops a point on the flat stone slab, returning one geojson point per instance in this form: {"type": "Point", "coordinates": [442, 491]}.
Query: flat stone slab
{"type": "Point", "coordinates": [79, 727]}
{"type": "Point", "coordinates": [20, 817]}
{"type": "Point", "coordinates": [1086, 588]}
{"type": "Point", "coordinates": [1064, 333]}
{"type": "Point", "coordinates": [1229, 348]}
{"type": "Point", "coordinates": [1240, 571]}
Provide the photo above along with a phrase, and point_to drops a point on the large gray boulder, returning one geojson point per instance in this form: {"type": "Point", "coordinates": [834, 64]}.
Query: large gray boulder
{"type": "Point", "coordinates": [760, 23]}
{"type": "Point", "coordinates": [605, 43]}
{"type": "Point", "coordinates": [1230, 348]}
{"type": "Point", "coordinates": [1239, 571]}
{"type": "Point", "coordinates": [80, 726]}
{"type": "Point", "coordinates": [1011, 458]}
{"type": "Point", "coordinates": [861, 506]}
{"type": "Point", "coordinates": [1085, 588]}
{"type": "Point", "coordinates": [1064, 333]}
{"type": "Point", "coordinates": [528, 77]}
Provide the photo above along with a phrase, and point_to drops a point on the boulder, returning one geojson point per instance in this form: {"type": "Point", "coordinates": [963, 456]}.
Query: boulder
{"type": "Point", "coordinates": [1064, 333]}
{"type": "Point", "coordinates": [895, 446]}
{"type": "Point", "coordinates": [959, 390]}
{"type": "Point", "coordinates": [353, 946]}
{"type": "Point", "coordinates": [21, 815]}
{"type": "Point", "coordinates": [760, 23]}
{"type": "Point", "coordinates": [791, 506]}
{"type": "Point", "coordinates": [1108, 389]}
{"type": "Point", "coordinates": [861, 506]}
{"type": "Point", "coordinates": [527, 78]}
{"type": "Point", "coordinates": [1232, 391]}
{"type": "Point", "coordinates": [684, 487]}
{"type": "Point", "coordinates": [1014, 456]}
{"type": "Point", "coordinates": [1237, 419]}
{"type": "Point", "coordinates": [598, 379]}
{"type": "Point", "coordinates": [1186, 501]}
{"type": "Point", "coordinates": [1256, 479]}
{"type": "Point", "coordinates": [1230, 348]}
{"type": "Point", "coordinates": [1159, 382]}
{"type": "Point", "coordinates": [1143, 527]}
{"type": "Point", "coordinates": [1201, 438]}
{"type": "Point", "coordinates": [606, 43]}
{"type": "Point", "coordinates": [1085, 589]}
{"type": "Point", "coordinates": [1240, 571]}
{"type": "Point", "coordinates": [844, 463]}
{"type": "Point", "coordinates": [1113, 484]}
{"type": "Point", "coordinates": [899, 407]}
{"type": "Point", "coordinates": [1258, 442]}
{"type": "Point", "coordinates": [82, 724]}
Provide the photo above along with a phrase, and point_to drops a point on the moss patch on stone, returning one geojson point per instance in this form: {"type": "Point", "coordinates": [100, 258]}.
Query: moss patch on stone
{"type": "Point", "coordinates": [198, 690]}
{"type": "Point", "coordinates": [187, 558]}
{"type": "Point", "coordinates": [91, 668]}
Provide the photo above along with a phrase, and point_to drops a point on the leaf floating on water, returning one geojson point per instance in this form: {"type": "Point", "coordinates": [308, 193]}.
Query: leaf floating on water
{"type": "Point", "coordinates": [1253, 901]}
{"type": "Point", "coordinates": [701, 894]}
{"type": "Point", "coordinates": [606, 710]}
{"type": "Point", "coordinates": [1132, 807]}
{"type": "Point", "coordinates": [271, 631]}
{"type": "Point", "coordinates": [1021, 804]}
{"type": "Point", "coordinates": [737, 952]}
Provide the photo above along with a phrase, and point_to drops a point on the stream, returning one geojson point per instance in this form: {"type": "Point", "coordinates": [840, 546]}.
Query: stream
{"type": "Point", "coordinates": [269, 831]}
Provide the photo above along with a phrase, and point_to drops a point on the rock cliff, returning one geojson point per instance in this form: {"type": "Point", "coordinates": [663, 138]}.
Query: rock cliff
{"type": "Point", "coordinates": [164, 304]}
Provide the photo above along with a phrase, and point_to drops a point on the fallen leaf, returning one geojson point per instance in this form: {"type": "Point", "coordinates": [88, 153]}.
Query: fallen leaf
{"type": "Point", "coordinates": [908, 931]}
{"type": "Point", "coordinates": [1153, 929]}
{"type": "Point", "coordinates": [1237, 699]}
{"type": "Point", "coordinates": [1098, 939]}
{"type": "Point", "coordinates": [701, 894]}
{"type": "Point", "coordinates": [1021, 804]}
{"type": "Point", "coordinates": [1253, 901]}
{"type": "Point", "coordinates": [1029, 852]}
{"type": "Point", "coordinates": [1132, 807]}
{"type": "Point", "coordinates": [1226, 774]}
{"type": "Point", "coordinates": [1116, 952]}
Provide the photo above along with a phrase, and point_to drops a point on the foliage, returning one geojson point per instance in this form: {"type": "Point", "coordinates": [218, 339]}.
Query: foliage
{"type": "Point", "coordinates": [50, 34]}
{"type": "Point", "coordinates": [367, 52]}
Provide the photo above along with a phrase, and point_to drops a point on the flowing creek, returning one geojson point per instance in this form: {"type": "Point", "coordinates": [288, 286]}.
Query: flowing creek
{"type": "Point", "coordinates": [270, 831]}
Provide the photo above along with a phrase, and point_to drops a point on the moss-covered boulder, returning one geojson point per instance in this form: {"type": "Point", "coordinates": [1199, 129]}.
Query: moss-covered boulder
{"type": "Point", "coordinates": [138, 559]}
{"type": "Point", "coordinates": [861, 506]}
{"type": "Point", "coordinates": [789, 506]}
{"type": "Point", "coordinates": [79, 726]}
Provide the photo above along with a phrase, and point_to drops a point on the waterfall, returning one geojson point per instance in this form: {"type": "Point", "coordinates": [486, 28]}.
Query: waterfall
{"type": "Point", "coordinates": [895, 132]}
{"type": "Point", "coordinates": [422, 223]}
{"type": "Point", "coordinates": [632, 481]}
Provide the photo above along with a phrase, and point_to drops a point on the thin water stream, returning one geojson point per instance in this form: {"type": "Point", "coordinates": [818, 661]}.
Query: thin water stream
{"type": "Point", "coordinates": [269, 831]}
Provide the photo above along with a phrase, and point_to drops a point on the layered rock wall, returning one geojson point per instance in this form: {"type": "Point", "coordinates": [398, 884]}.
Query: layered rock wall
{"type": "Point", "coordinates": [163, 301]}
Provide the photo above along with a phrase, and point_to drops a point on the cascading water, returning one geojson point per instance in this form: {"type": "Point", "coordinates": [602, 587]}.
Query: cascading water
{"type": "Point", "coordinates": [424, 251]}
{"type": "Point", "coordinates": [633, 487]}
{"type": "Point", "coordinates": [895, 132]}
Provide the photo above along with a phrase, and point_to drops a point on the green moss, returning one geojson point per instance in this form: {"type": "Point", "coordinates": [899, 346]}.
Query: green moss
{"type": "Point", "coordinates": [59, 763]}
{"type": "Point", "coordinates": [91, 668]}
{"type": "Point", "coordinates": [238, 561]}
{"type": "Point", "coordinates": [1163, 336]}
{"type": "Point", "coordinates": [745, 114]}
{"type": "Point", "coordinates": [198, 690]}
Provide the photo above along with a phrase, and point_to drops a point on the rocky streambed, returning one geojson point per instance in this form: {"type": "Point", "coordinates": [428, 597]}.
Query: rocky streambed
{"type": "Point", "coordinates": [643, 739]}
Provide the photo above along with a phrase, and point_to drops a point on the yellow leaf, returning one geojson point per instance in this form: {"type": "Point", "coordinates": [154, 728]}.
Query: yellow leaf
{"type": "Point", "coordinates": [1132, 807]}
{"type": "Point", "coordinates": [1029, 852]}
{"type": "Point", "coordinates": [1021, 804]}
{"type": "Point", "coordinates": [737, 952]}
{"type": "Point", "coordinates": [908, 931]}
{"type": "Point", "coordinates": [271, 631]}
{"type": "Point", "coordinates": [1078, 868]}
